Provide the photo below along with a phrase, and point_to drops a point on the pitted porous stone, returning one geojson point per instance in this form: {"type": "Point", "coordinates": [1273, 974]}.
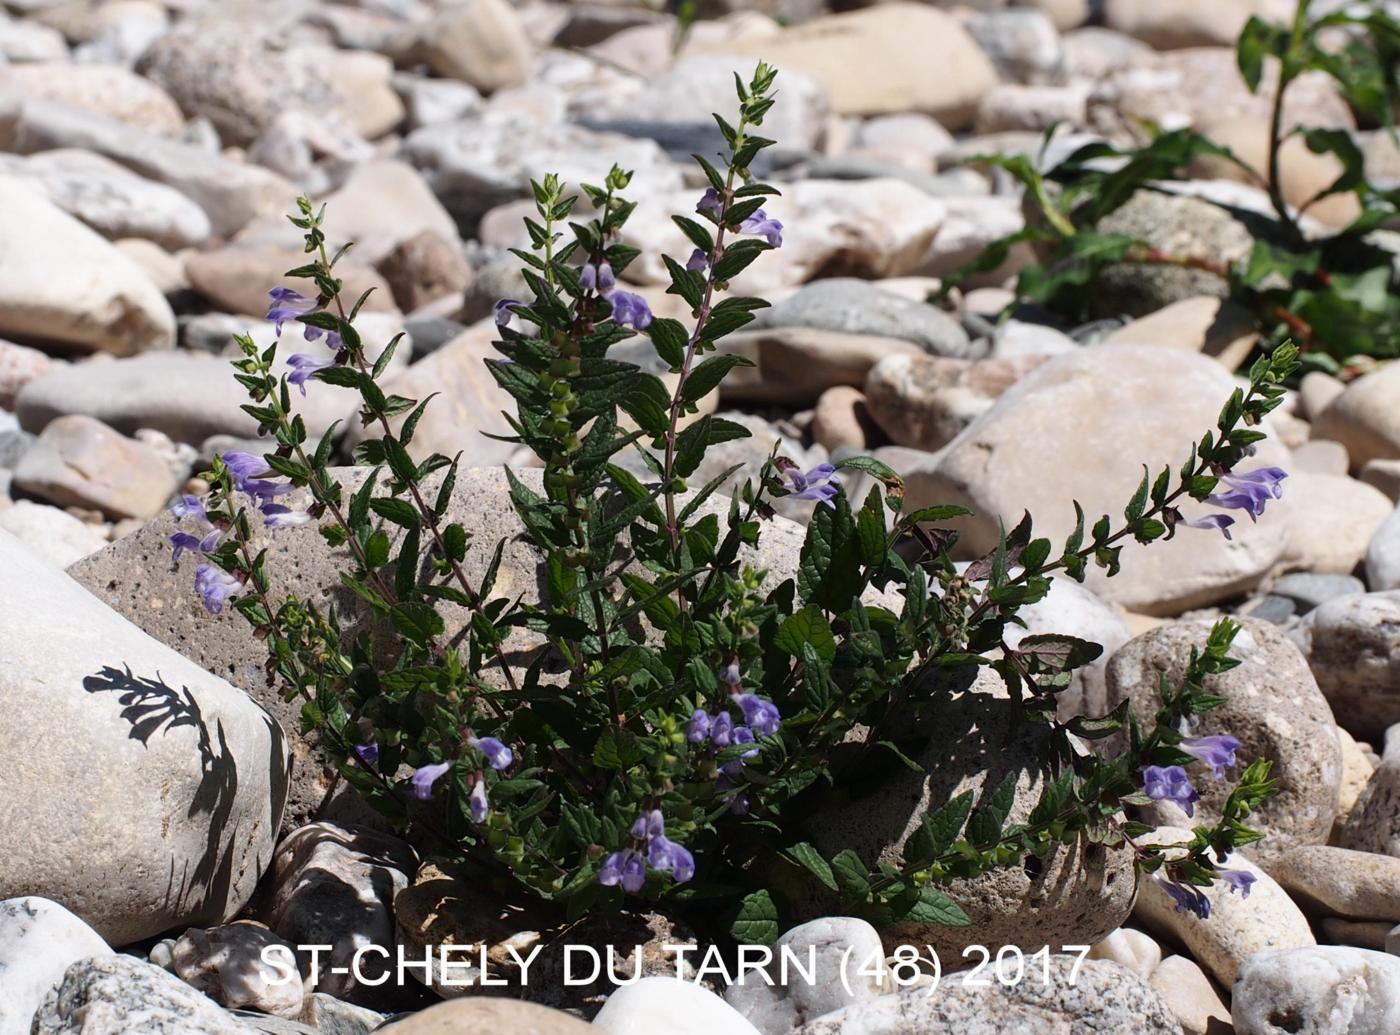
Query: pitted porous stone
{"type": "Point", "coordinates": [1102, 998]}
{"type": "Point", "coordinates": [1271, 704]}
{"type": "Point", "coordinates": [1352, 644]}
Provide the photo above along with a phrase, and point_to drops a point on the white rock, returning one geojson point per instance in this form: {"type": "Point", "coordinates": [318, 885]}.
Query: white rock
{"type": "Point", "coordinates": [53, 535]}
{"type": "Point", "coordinates": [841, 947]}
{"type": "Point", "coordinates": [1383, 555]}
{"type": "Point", "coordinates": [663, 1004]}
{"type": "Point", "coordinates": [1134, 949]}
{"type": "Point", "coordinates": [61, 282]}
{"type": "Point", "coordinates": [1324, 990]}
{"type": "Point", "coordinates": [1332, 520]}
{"type": "Point", "coordinates": [183, 776]}
{"type": "Point", "coordinates": [1237, 929]}
{"type": "Point", "coordinates": [39, 939]}
{"type": "Point", "coordinates": [1187, 991]}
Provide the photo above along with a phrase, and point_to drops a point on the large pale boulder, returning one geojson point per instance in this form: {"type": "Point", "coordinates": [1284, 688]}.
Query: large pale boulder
{"type": "Point", "coordinates": [1081, 427]}
{"type": "Point", "coordinates": [140, 791]}
{"type": "Point", "coordinates": [1270, 702]}
{"type": "Point", "coordinates": [481, 42]}
{"type": "Point", "coordinates": [1317, 991]}
{"type": "Point", "coordinates": [1352, 644]}
{"type": "Point", "coordinates": [892, 58]}
{"type": "Point", "coordinates": [78, 461]}
{"type": "Point", "coordinates": [1166, 24]}
{"type": "Point", "coordinates": [63, 284]}
{"type": "Point", "coordinates": [1365, 417]}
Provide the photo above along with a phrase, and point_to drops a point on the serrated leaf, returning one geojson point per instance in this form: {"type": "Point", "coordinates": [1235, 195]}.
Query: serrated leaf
{"type": "Point", "coordinates": [810, 859]}
{"type": "Point", "coordinates": [807, 626]}
{"type": "Point", "coordinates": [757, 920]}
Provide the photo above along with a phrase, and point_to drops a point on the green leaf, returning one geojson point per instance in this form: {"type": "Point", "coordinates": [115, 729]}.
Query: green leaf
{"type": "Point", "coordinates": [851, 874]}
{"type": "Point", "coordinates": [807, 626]}
{"type": "Point", "coordinates": [419, 623]}
{"type": "Point", "coordinates": [708, 375]}
{"type": "Point", "coordinates": [984, 829]}
{"type": "Point", "coordinates": [1058, 652]}
{"type": "Point", "coordinates": [400, 512]}
{"type": "Point", "coordinates": [934, 907]}
{"type": "Point", "coordinates": [670, 339]}
{"type": "Point", "coordinates": [617, 749]}
{"type": "Point", "coordinates": [692, 443]}
{"type": "Point", "coordinates": [757, 921]}
{"type": "Point", "coordinates": [940, 829]}
{"type": "Point", "coordinates": [808, 857]}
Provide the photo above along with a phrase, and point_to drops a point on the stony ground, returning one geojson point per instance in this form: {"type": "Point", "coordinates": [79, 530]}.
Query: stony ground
{"type": "Point", "coordinates": [148, 151]}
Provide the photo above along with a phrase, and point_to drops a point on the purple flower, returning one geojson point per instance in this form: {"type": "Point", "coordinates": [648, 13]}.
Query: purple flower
{"type": "Point", "coordinates": [610, 873]}
{"type": "Point", "coordinates": [630, 309]}
{"type": "Point", "coordinates": [479, 805]}
{"type": "Point", "coordinates": [215, 585]}
{"type": "Point", "coordinates": [730, 675]}
{"type": "Point", "coordinates": [243, 466]}
{"type": "Point", "coordinates": [367, 753]}
{"type": "Point", "coordinates": [1170, 783]}
{"type": "Point", "coordinates": [742, 735]}
{"type": "Point", "coordinates": [276, 516]}
{"type": "Point", "coordinates": [634, 874]}
{"type": "Point", "coordinates": [739, 804]}
{"type": "Point", "coordinates": [669, 857]}
{"type": "Point", "coordinates": [597, 278]}
{"type": "Point", "coordinates": [1250, 491]}
{"type": "Point", "coordinates": [699, 728]}
{"type": "Point", "coordinates": [287, 305]}
{"type": "Point", "coordinates": [1187, 898]}
{"type": "Point", "coordinates": [333, 341]}
{"type": "Point", "coordinates": [503, 310]}
{"type": "Point", "coordinates": [698, 261]}
{"type": "Point", "coordinates": [425, 776]}
{"type": "Point", "coordinates": [760, 224]}
{"type": "Point", "coordinates": [1213, 521]}
{"type": "Point", "coordinates": [498, 756]}
{"type": "Point", "coordinates": [710, 204]}
{"type": "Point", "coordinates": [183, 541]}
{"type": "Point", "coordinates": [722, 730]}
{"type": "Point", "coordinates": [303, 365]}
{"type": "Point", "coordinates": [1218, 752]}
{"type": "Point", "coordinates": [1237, 880]}
{"type": "Point", "coordinates": [189, 506]}
{"type": "Point", "coordinates": [820, 484]}
{"type": "Point", "coordinates": [762, 715]}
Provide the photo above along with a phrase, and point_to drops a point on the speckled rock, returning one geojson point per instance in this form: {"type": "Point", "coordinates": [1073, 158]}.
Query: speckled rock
{"type": "Point", "coordinates": [183, 777]}
{"type": "Point", "coordinates": [1325, 990]}
{"type": "Point", "coordinates": [1373, 825]}
{"type": "Point", "coordinates": [1079, 427]}
{"type": "Point", "coordinates": [1103, 999]}
{"type": "Point", "coordinates": [1352, 645]}
{"type": "Point", "coordinates": [1357, 768]}
{"type": "Point", "coordinates": [1362, 885]}
{"type": "Point", "coordinates": [121, 995]}
{"type": "Point", "coordinates": [851, 306]}
{"type": "Point", "coordinates": [1270, 703]}
{"type": "Point", "coordinates": [1075, 895]}
{"type": "Point", "coordinates": [103, 89]}
{"type": "Point", "coordinates": [1237, 928]}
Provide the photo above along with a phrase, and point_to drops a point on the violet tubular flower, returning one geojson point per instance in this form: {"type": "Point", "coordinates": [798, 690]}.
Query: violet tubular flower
{"type": "Point", "coordinates": [1212, 522]}
{"type": "Point", "coordinates": [498, 755]}
{"type": "Point", "coordinates": [182, 541]}
{"type": "Point", "coordinates": [762, 715]}
{"type": "Point", "coordinates": [287, 305]}
{"type": "Point", "coordinates": [597, 278]}
{"type": "Point", "coordinates": [368, 754]}
{"type": "Point", "coordinates": [709, 203]}
{"type": "Point", "coordinates": [760, 225]}
{"type": "Point", "coordinates": [1250, 491]}
{"type": "Point", "coordinates": [478, 802]}
{"type": "Point", "coordinates": [698, 262]}
{"type": "Point", "coordinates": [630, 309]}
{"type": "Point", "coordinates": [214, 586]}
{"type": "Point", "coordinates": [303, 365]}
{"type": "Point", "coordinates": [189, 506]}
{"type": "Point", "coordinates": [1240, 881]}
{"type": "Point", "coordinates": [276, 516]}
{"type": "Point", "coordinates": [425, 776]}
{"type": "Point", "coordinates": [1218, 752]}
{"type": "Point", "coordinates": [698, 729]}
{"type": "Point", "coordinates": [503, 310]}
{"type": "Point", "coordinates": [820, 484]}
{"type": "Point", "coordinates": [1188, 899]}
{"type": "Point", "coordinates": [1170, 783]}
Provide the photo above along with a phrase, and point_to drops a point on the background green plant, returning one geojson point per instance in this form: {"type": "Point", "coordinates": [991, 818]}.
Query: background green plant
{"type": "Point", "coordinates": [1334, 294]}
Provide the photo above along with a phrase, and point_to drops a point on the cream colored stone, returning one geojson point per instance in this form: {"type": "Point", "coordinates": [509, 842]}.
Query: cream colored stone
{"type": "Point", "coordinates": [1190, 996]}
{"type": "Point", "coordinates": [1215, 327]}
